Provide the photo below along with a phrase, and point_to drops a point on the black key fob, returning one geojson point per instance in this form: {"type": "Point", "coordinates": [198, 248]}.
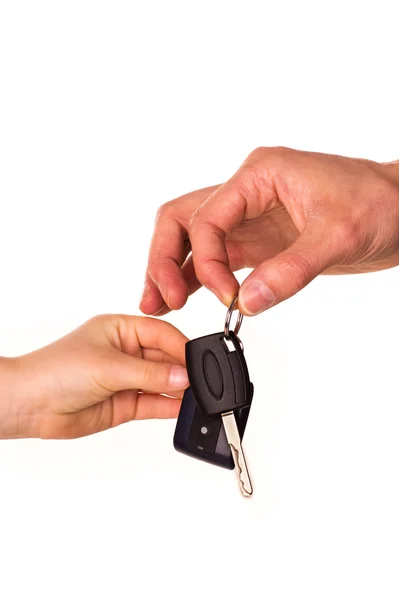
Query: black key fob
{"type": "Point", "coordinates": [218, 373]}
{"type": "Point", "coordinates": [203, 437]}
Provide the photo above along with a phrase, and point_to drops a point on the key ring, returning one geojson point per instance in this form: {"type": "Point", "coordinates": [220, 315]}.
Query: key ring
{"type": "Point", "coordinates": [228, 319]}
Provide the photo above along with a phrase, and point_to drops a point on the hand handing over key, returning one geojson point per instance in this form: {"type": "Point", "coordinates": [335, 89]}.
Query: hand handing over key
{"type": "Point", "coordinates": [111, 370]}
{"type": "Point", "coordinates": [287, 214]}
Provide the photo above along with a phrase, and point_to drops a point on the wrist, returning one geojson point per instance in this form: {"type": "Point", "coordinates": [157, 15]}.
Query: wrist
{"type": "Point", "coordinates": [17, 413]}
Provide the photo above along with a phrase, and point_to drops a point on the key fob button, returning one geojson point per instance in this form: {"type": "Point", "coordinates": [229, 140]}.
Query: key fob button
{"type": "Point", "coordinates": [211, 447]}
{"type": "Point", "coordinates": [213, 375]}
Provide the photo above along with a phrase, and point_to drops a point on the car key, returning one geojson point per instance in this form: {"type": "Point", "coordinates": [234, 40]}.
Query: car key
{"type": "Point", "coordinates": [219, 380]}
{"type": "Point", "coordinates": [202, 437]}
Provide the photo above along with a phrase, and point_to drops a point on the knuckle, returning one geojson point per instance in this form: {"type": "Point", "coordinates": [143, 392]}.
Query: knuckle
{"type": "Point", "coordinates": [165, 210]}
{"type": "Point", "coordinates": [192, 221]}
{"type": "Point", "coordinates": [248, 181]}
{"type": "Point", "coordinates": [262, 152]}
{"type": "Point", "coordinates": [297, 267]}
{"type": "Point", "coordinates": [98, 320]}
{"type": "Point", "coordinates": [110, 326]}
{"type": "Point", "coordinates": [346, 232]}
{"type": "Point", "coordinates": [254, 184]}
{"type": "Point", "coordinates": [119, 326]}
{"type": "Point", "coordinates": [156, 266]}
{"type": "Point", "coordinates": [195, 221]}
{"type": "Point", "coordinates": [281, 150]}
{"type": "Point", "coordinates": [148, 376]}
{"type": "Point", "coordinates": [248, 184]}
{"type": "Point", "coordinates": [256, 154]}
{"type": "Point", "coordinates": [205, 271]}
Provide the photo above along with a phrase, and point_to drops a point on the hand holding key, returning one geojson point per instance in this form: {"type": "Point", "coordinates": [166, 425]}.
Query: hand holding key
{"type": "Point", "coordinates": [110, 370]}
{"type": "Point", "coordinates": [287, 214]}
{"type": "Point", "coordinates": [220, 383]}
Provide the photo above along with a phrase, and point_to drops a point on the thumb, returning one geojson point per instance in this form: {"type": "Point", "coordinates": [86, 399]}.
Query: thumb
{"type": "Point", "coordinates": [127, 372]}
{"type": "Point", "coordinates": [282, 276]}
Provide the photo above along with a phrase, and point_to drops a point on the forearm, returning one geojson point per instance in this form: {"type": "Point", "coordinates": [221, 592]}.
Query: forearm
{"type": "Point", "coordinates": [16, 412]}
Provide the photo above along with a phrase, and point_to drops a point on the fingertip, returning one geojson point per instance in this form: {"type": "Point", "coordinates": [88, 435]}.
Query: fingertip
{"type": "Point", "coordinates": [152, 304]}
{"type": "Point", "coordinates": [178, 379]}
{"type": "Point", "coordinates": [227, 293]}
{"type": "Point", "coordinates": [255, 297]}
{"type": "Point", "coordinates": [164, 310]}
{"type": "Point", "coordinates": [173, 289]}
{"type": "Point", "coordinates": [229, 296]}
{"type": "Point", "coordinates": [177, 297]}
{"type": "Point", "coordinates": [151, 300]}
{"type": "Point", "coordinates": [216, 277]}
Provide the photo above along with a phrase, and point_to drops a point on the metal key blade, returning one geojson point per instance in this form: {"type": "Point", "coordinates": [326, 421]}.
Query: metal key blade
{"type": "Point", "coordinates": [233, 438]}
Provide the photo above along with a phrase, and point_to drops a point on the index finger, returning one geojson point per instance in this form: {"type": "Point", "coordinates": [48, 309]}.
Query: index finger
{"type": "Point", "coordinates": [215, 219]}
{"type": "Point", "coordinates": [160, 335]}
{"type": "Point", "coordinates": [165, 281]}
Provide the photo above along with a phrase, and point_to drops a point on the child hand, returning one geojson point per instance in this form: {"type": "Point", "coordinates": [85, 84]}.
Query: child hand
{"type": "Point", "coordinates": [111, 370]}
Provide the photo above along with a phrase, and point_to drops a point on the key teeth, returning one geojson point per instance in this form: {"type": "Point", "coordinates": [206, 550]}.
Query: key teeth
{"type": "Point", "coordinates": [244, 491]}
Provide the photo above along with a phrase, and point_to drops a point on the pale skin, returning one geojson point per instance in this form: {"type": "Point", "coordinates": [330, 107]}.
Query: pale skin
{"type": "Point", "coordinates": [287, 214]}
{"type": "Point", "coordinates": [111, 370]}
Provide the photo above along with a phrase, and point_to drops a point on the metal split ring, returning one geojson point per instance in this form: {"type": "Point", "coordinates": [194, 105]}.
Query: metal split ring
{"type": "Point", "coordinates": [230, 310]}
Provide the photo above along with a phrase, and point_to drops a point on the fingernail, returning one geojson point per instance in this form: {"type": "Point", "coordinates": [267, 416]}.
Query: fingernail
{"type": "Point", "coordinates": [165, 295]}
{"type": "Point", "coordinates": [224, 299]}
{"type": "Point", "coordinates": [178, 379]}
{"type": "Point", "coordinates": [159, 310]}
{"type": "Point", "coordinates": [256, 297]}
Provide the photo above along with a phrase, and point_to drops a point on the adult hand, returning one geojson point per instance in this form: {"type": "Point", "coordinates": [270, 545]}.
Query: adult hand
{"type": "Point", "coordinates": [289, 215]}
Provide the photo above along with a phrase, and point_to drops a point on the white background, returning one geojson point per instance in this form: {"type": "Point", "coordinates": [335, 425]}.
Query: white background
{"type": "Point", "coordinates": [107, 110]}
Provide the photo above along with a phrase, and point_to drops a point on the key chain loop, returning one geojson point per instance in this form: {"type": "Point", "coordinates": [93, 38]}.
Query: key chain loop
{"type": "Point", "coordinates": [227, 322]}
